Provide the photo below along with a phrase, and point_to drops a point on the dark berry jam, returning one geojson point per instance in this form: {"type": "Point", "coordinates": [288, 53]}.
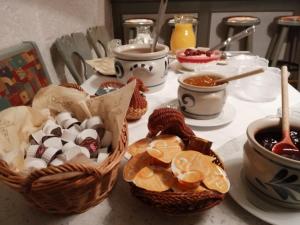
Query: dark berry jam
{"type": "Point", "coordinates": [195, 52]}
{"type": "Point", "coordinates": [271, 136]}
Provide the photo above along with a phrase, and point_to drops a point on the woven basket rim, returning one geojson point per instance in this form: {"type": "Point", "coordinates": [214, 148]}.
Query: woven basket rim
{"type": "Point", "coordinates": [180, 203]}
{"type": "Point", "coordinates": [19, 181]}
{"type": "Point", "coordinates": [189, 193]}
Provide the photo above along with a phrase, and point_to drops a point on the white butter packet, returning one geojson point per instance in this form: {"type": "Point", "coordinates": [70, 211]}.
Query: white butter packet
{"type": "Point", "coordinates": [94, 122]}
{"type": "Point", "coordinates": [49, 126]}
{"type": "Point", "coordinates": [68, 135]}
{"type": "Point", "coordinates": [38, 136]}
{"type": "Point", "coordinates": [69, 122]}
{"type": "Point", "coordinates": [68, 146]}
{"type": "Point", "coordinates": [61, 117]}
{"type": "Point", "coordinates": [31, 151]}
{"type": "Point", "coordinates": [83, 124]}
{"type": "Point", "coordinates": [34, 163]}
{"type": "Point", "coordinates": [70, 153]}
{"type": "Point", "coordinates": [86, 134]}
{"type": "Point", "coordinates": [56, 162]}
{"type": "Point", "coordinates": [102, 156]}
{"type": "Point", "coordinates": [54, 142]}
{"type": "Point", "coordinates": [50, 154]}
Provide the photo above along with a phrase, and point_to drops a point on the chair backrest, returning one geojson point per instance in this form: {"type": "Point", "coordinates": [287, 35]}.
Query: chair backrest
{"type": "Point", "coordinates": [74, 50]}
{"type": "Point", "coordinates": [98, 38]}
{"type": "Point", "coordinates": [22, 74]}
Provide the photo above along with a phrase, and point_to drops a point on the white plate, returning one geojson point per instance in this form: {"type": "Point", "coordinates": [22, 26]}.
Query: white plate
{"type": "Point", "coordinates": [179, 68]}
{"type": "Point", "coordinates": [225, 117]}
{"type": "Point", "coordinates": [244, 196]}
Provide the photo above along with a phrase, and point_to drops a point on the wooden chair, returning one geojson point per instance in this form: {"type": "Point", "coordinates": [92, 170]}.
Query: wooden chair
{"type": "Point", "coordinates": [289, 33]}
{"type": "Point", "coordinates": [22, 74]}
{"type": "Point", "coordinates": [98, 38]}
{"type": "Point", "coordinates": [74, 49]}
{"type": "Point", "coordinates": [236, 24]}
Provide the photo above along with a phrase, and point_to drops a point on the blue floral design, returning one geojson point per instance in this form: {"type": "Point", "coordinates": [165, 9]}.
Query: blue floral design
{"type": "Point", "coordinates": [284, 184]}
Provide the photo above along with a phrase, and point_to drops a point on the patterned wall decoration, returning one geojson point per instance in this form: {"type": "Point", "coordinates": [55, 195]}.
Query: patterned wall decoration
{"type": "Point", "coordinates": [21, 76]}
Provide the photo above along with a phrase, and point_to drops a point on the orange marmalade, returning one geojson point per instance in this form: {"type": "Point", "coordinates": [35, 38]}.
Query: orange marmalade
{"type": "Point", "coordinates": [202, 81]}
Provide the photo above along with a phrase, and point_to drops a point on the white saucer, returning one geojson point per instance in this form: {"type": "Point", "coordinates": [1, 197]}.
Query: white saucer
{"type": "Point", "coordinates": [179, 68]}
{"type": "Point", "coordinates": [225, 117]}
{"type": "Point", "coordinates": [244, 196]}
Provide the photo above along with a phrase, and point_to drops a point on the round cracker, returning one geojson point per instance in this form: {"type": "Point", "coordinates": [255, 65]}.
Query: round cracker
{"type": "Point", "coordinates": [190, 160]}
{"type": "Point", "coordinates": [154, 179]}
{"type": "Point", "coordinates": [217, 180]}
{"type": "Point", "coordinates": [135, 164]}
{"type": "Point", "coordinates": [139, 146]}
{"type": "Point", "coordinates": [165, 147]}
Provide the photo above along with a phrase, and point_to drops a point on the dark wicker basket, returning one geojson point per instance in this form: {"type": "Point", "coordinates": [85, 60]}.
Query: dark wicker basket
{"type": "Point", "coordinates": [180, 203]}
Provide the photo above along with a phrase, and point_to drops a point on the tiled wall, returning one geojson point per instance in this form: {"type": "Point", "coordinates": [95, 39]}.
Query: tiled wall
{"type": "Point", "coordinates": [43, 21]}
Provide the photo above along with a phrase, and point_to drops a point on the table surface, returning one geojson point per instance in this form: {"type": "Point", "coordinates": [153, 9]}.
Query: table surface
{"type": "Point", "coordinates": [121, 207]}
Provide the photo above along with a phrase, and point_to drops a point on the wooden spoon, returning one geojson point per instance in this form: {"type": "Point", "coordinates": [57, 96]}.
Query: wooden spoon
{"type": "Point", "coordinates": [158, 23]}
{"type": "Point", "coordinates": [239, 76]}
{"type": "Point", "coordinates": [285, 146]}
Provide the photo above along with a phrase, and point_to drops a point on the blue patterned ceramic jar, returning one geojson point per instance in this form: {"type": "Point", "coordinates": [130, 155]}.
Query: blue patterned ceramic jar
{"type": "Point", "coordinates": [273, 177]}
{"type": "Point", "coordinates": [201, 102]}
{"type": "Point", "coordinates": [137, 60]}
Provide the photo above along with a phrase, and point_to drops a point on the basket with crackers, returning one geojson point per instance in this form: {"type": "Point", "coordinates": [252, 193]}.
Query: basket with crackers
{"type": "Point", "coordinates": [63, 153]}
{"type": "Point", "coordinates": [172, 169]}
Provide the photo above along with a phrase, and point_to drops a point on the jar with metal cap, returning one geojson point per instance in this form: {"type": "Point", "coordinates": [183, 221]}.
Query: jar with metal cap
{"type": "Point", "coordinates": [143, 36]}
{"type": "Point", "coordinates": [138, 31]}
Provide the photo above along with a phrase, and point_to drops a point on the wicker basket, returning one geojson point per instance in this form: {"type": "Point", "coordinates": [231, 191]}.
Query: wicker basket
{"type": "Point", "coordinates": [179, 203]}
{"type": "Point", "coordinates": [138, 105]}
{"type": "Point", "coordinates": [81, 187]}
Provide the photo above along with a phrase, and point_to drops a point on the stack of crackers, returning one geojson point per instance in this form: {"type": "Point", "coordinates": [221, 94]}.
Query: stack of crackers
{"type": "Point", "coordinates": [163, 163]}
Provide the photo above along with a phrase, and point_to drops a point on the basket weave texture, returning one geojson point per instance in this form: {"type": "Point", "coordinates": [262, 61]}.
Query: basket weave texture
{"type": "Point", "coordinates": [68, 188]}
{"type": "Point", "coordinates": [138, 104]}
{"type": "Point", "coordinates": [168, 121]}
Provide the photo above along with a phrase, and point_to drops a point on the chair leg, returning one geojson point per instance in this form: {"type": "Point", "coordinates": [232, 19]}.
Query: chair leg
{"type": "Point", "coordinates": [282, 37]}
{"type": "Point", "coordinates": [271, 46]}
{"type": "Point", "coordinates": [126, 34]}
{"type": "Point", "coordinates": [294, 46]}
{"type": "Point", "coordinates": [298, 83]}
{"type": "Point", "coordinates": [229, 34]}
{"type": "Point", "coordinates": [249, 44]}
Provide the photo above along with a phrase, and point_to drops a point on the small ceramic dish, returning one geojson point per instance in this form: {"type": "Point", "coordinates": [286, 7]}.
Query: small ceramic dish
{"type": "Point", "coordinates": [201, 102]}
{"type": "Point", "coordinates": [198, 62]}
{"type": "Point", "coordinates": [275, 177]}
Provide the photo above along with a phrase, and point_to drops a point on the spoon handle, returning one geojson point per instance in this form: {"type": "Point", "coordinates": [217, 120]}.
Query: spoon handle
{"type": "Point", "coordinates": [285, 101]}
{"type": "Point", "coordinates": [236, 37]}
{"type": "Point", "coordinates": [242, 75]}
{"type": "Point", "coordinates": [158, 23]}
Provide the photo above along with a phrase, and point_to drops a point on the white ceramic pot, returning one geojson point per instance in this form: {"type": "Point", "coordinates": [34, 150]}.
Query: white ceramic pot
{"type": "Point", "coordinates": [273, 177]}
{"type": "Point", "coordinates": [201, 102]}
{"type": "Point", "coordinates": [150, 67]}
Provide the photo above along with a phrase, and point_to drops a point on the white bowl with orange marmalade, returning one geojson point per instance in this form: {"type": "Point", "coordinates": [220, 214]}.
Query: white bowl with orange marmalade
{"type": "Point", "coordinates": [198, 95]}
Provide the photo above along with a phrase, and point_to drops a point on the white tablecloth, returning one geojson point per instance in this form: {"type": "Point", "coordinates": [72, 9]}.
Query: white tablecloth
{"type": "Point", "coordinates": [246, 111]}
{"type": "Point", "coordinates": [121, 208]}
